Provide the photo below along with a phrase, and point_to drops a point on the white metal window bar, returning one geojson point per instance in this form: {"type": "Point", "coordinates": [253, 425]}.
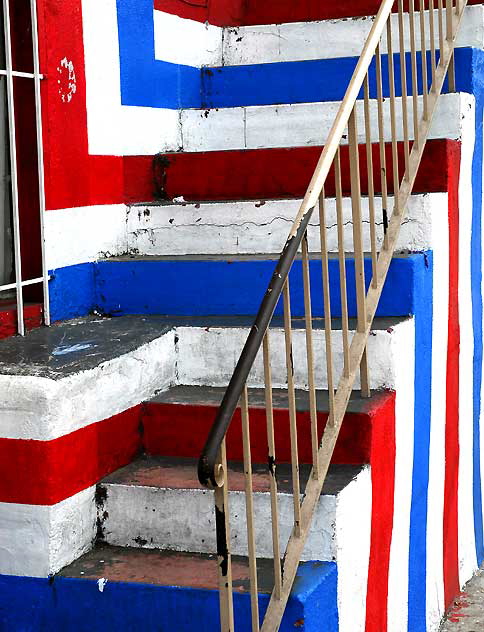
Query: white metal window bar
{"type": "Point", "coordinates": [10, 73]}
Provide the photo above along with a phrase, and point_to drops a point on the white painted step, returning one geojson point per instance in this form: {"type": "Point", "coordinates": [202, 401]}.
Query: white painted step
{"type": "Point", "coordinates": [325, 39]}
{"type": "Point", "coordinates": [207, 355]}
{"type": "Point", "coordinates": [208, 45]}
{"type": "Point", "coordinates": [59, 379]}
{"type": "Point", "coordinates": [304, 124]}
{"type": "Point", "coordinates": [262, 226]}
{"type": "Point", "coordinates": [157, 502]}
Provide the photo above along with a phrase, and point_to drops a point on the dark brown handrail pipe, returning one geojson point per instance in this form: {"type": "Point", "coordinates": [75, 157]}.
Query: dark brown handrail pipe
{"type": "Point", "coordinates": [230, 401]}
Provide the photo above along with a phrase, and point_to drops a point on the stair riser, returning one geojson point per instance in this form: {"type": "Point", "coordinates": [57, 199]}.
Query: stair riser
{"type": "Point", "coordinates": [262, 227]}
{"type": "Point", "coordinates": [298, 125]}
{"type": "Point", "coordinates": [184, 520]}
{"type": "Point", "coordinates": [171, 430]}
{"type": "Point", "coordinates": [228, 287]}
{"type": "Point", "coordinates": [208, 357]}
{"type": "Point", "coordinates": [273, 43]}
{"type": "Point", "coordinates": [125, 605]}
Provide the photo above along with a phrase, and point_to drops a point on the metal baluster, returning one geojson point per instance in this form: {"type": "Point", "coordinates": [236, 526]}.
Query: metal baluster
{"type": "Point", "coordinates": [224, 561]}
{"type": "Point", "coordinates": [292, 410]}
{"type": "Point", "coordinates": [381, 135]}
{"type": "Point", "coordinates": [440, 5]}
{"type": "Point", "coordinates": [358, 245]}
{"type": "Point", "coordinates": [450, 37]}
{"type": "Point", "coordinates": [413, 55]}
{"type": "Point", "coordinates": [403, 80]}
{"type": "Point", "coordinates": [327, 306]}
{"type": "Point", "coordinates": [433, 55]}
{"type": "Point", "coordinates": [13, 167]}
{"type": "Point", "coordinates": [249, 510]}
{"type": "Point", "coordinates": [371, 184]}
{"type": "Point", "coordinates": [342, 264]}
{"type": "Point", "coordinates": [310, 354]}
{"type": "Point", "coordinates": [425, 88]}
{"type": "Point", "coordinates": [272, 466]}
{"type": "Point", "coordinates": [393, 117]}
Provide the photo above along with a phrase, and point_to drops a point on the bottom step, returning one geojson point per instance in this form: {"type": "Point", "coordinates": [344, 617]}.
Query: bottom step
{"type": "Point", "coordinates": [114, 588]}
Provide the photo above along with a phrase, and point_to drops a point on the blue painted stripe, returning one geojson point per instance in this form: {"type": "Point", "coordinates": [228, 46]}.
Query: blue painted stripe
{"type": "Point", "coordinates": [32, 605]}
{"type": "Point", "coordinates": [195, 288]}
{"type": "Point", "coordinates": [146, 81]}
{"type": "Point", "coordinates": [72, 291]}
{"type": "Point", "coordinates": [477, 65]}
{"type": "Point", "coordinates": [417, 567]}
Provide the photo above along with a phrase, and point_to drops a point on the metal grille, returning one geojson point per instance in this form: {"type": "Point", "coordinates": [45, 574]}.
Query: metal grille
{"type": "Point", "coordinates": [10, 222]}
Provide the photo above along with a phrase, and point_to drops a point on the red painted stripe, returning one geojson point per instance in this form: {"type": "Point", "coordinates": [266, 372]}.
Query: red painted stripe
{"type": "Point", "coordinates": [382, 461]}
{"type": "Point", "coordinates": [72, 177]}
{"type": "Point", "coordinates": [162, 423]}
{"type": "Point", "coordinates": [8, 318]}
{"type": "Point", "coordinates": [46, 472]}
{"type": "Point", "coordinates": [261, 173]}
{"type": "Point", "coordinates": [247, 12]}
{"type": "Point", "coordinates": [451, 553]}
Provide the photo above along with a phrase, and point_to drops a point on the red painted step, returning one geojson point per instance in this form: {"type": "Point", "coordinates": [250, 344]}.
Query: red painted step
{"type": "Point", "coordinates": [8, 317]}
{"type": "Point", "coordinates": [177, 422]}
{"type": "Point", "coordinates": [247, 12]}
{"type": "Point", "coordinates": [262, 173]}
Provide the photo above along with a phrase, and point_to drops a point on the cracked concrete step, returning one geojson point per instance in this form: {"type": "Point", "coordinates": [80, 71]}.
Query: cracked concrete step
{"type": "Point", "coordinates": [157, 502]}
{"type": "Point", "coordinates": [262, 226]}
{"type": "Point", "coordinates": [136, 589]}
{"type": "Point", "coordinates": [176, 423]}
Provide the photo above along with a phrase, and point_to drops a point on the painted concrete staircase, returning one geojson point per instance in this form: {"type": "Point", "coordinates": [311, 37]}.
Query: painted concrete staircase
{"type": "Point", "coordinates": [108, 413]}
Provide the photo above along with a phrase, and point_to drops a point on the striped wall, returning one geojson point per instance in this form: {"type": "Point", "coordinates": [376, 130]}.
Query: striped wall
{"type": "Point", "coordinates": [209, 101]}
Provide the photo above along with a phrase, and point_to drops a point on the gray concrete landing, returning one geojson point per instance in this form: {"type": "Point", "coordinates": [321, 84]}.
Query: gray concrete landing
{"type": "Point", "coordinates": [467, 612]}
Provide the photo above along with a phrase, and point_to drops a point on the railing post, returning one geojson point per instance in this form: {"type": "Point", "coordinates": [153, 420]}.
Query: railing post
{"type": "Point", "coordinates": [222, 525]}
{"type": "Point", "coordinates": [358, 244]}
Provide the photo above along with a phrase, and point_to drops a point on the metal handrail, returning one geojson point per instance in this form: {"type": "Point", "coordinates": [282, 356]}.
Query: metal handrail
{"type": "Point", "coordinates": [207, 463]}
{"type": "Point", "coordinates": [212, 468]}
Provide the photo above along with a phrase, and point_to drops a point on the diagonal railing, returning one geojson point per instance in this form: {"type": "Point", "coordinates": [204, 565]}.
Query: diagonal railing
{"type": "Point", "coordinates": [410, 86]}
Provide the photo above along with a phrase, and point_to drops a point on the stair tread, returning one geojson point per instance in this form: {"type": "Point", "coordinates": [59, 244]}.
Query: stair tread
{"type": "Point", "coordinates": [170, 568]}
{"type": "Point", "coordinates": [212, 396]}
{"type": "Point", "coordinates": [181, 473]}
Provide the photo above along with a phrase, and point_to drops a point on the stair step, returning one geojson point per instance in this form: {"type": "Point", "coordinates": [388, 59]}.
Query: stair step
{"type": "Point", "coordinates": [261, 226]}
{"type": "Point", "coordinates": [299, 124]}
{"type": "Point", "coordinates": [236, 284]}
{"type": "Point", "coordinates": [176, 423]}
{"type": "Point", "coordinates": [146, 589]}
{"type": "Point", "coordinates": [157, 502]}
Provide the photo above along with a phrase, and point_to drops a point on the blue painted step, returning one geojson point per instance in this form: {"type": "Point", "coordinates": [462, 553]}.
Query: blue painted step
{"type": "Point", "coordinates": [158, 590]}
{"type": "Point", "coordinates": [194, 286]}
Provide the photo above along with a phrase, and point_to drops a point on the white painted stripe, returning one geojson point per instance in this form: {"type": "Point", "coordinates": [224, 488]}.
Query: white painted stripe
{"type": "Point", "coordinates": [403, 348]}
{"type": "Point", "coordinates": [187, 42]}
{"type": "Point", "coordinates": [435, 603]}
{"type": "Point", "coordinates": [353, 538]}
{"type": "Point", "coordinates": [467, 548]}
{"type": "Point", "coordinates": [79, 235]}
{"type": "Point", "coordinates": [115, 129]}
{"type": "Point", "coordinates": [298, 125]}
{"type": "Point", "coordinates": [327, 39]}
{"type": "Point", "coordinates": [43, 409]}
{"type": "Point", "coordinates": [172, 519]}
{"type": "Point", "coordinates": [39, 540]}
{"type": "Point", "coordinates": [258, 227]}
{"type": "Point", "coordinates": [208, 356]}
